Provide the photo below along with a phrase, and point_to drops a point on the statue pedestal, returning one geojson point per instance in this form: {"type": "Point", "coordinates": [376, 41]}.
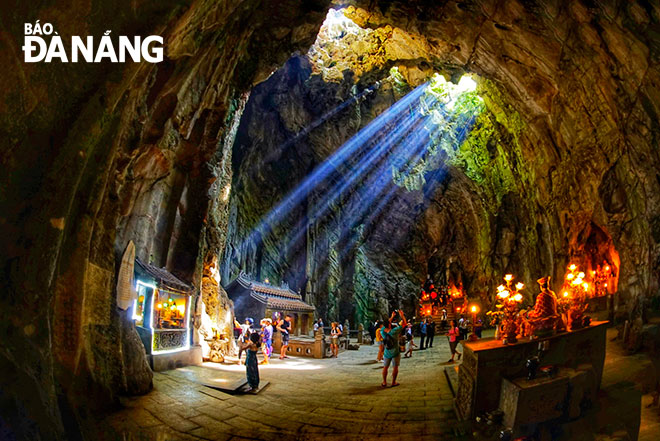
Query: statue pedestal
{"type": "Point", "coordinates": [487, 361]}
{"type": "Point", "coordinates": [563, 397]}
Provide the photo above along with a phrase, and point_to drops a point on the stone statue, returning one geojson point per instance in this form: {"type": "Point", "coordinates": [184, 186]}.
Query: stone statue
{"type": "Point", "coordinates": [544, 317]}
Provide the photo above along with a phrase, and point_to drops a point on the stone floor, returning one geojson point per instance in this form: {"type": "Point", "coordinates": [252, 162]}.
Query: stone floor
{"type": "Point", "coordinates": [307, 399]}
{"type": "Point", "coordinates": [341, 399]}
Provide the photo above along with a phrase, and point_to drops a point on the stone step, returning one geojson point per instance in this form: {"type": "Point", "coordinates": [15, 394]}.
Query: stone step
{"type": "Point", "coordinates": [451, 374]}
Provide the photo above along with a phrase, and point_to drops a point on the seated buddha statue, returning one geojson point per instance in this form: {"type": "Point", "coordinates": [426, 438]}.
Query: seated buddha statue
{"type": "Point", "coordinates": [544, 317]}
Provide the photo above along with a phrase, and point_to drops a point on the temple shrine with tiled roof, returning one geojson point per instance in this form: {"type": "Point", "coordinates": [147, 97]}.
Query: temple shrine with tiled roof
{"type": "Point", "coordinates": [258, 300]}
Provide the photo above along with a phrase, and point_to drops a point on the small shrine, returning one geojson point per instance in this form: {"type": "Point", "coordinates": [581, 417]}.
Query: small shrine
{"type": "Point", "coordinates": [162, 317]}
{"type": "Point", "coordinates": [434, 299]}
{"type": "Point", "coordinates": [261, 299]}
{"type": "Point", "coordinates": [548, 359]}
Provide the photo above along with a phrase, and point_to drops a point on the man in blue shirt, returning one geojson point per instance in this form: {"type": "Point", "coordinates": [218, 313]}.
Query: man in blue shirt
{"type": "Point", "coordinates": [422, 333]}
{"type": "Point", "coordinates": [392, 352]}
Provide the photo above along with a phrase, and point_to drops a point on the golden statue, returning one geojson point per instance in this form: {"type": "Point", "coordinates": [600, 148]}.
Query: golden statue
{"type": "Point", "coordinates": [544, 317]}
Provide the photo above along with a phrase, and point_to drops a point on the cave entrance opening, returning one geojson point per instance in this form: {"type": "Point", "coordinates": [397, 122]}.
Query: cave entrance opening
{"type": "Point", "coordinates": [330, 149]}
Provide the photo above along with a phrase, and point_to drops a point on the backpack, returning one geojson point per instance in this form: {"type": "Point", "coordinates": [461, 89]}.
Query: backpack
{"type": "Point", "coordinates": [390, 342]}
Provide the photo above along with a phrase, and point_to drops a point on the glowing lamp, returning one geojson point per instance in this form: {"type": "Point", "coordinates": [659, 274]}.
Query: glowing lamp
{"type": "Point", "coordinates": [607, 268]}
{"type": "Point", "coordinates": [508, 277]}
{"type": "Point", "coordinates": [173, 307]}
{"type": "Point", "coordinates": [501, 288]}
{"type": "Point", "coordinates": [565, 293]}
{"type": "Point", "coordinates": [181, 308]}
{"type": "Point", "coordinates": [518, 297]}
{"type": "Point", "coordinates": [519, 285]}
{"type": "Point", "coordinates": [606, 285]}
{"type": "Point", "coordinates": [169, 300]}
{"type": "Point", "coordinates": [581, 275]}
{"type": "Point", "coordinates": [159, 306]}
{"type": "Point", "coordinates": [585, 285]}
{"type": "Point", "coordinates": [569, 276]}
{"type": "Point", "coordinates": [572, 267]}
{"type": "Point", "coordinates": [474, 309]}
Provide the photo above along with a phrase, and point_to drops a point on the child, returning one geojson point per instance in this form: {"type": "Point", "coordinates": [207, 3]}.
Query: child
{"type": "Point", "coordinates": [335, 332]}
{"type": "Point", "coordinates": [379, 341]}
{"type": "Point", "coordinates": [251, 364]}
{"type": "Point", "coordinates": [410, 345]}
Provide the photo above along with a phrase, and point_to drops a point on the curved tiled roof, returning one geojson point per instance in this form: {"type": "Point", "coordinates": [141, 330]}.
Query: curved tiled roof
{"type": "Point", "coordinates": [163, 277]}
{"type": "Point", "coordinates": [275, 297]}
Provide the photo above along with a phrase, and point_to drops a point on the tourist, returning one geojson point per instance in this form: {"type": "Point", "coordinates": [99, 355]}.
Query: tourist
{"type": "Point", "coordinates": [246, 330]}
{"type": "Point", "coordinates": [453, 334]}
{"type": "Point", "coordinates": [335, 332]}
{"type": "Point", "coordinates": [410, 343]}
{"type": "Point", "coordinates": [318, 326]}
{"type": "Point", "coordinates": [430, 333]}
{"type": "Point", "coordinates": [464, 327]}
{"type": "Point", "coordinates": [478, 327]}
{"type": "Point", "coordinates": [284, 327]}
{"type": "Point", "coordinates": [422, 333]}
{"type": "Point", "coordinates": [443, 319]}
{"type": "Point", "coordinates": [267, 339]}
{"type": "Point", "coordinates": [392, 352]}
{"type": "Point", "coordinates": [379, 341]}
{"type": "Point", "coordinates": [372, 330]}
{"type": "Point", "coordinates": [251, 365]}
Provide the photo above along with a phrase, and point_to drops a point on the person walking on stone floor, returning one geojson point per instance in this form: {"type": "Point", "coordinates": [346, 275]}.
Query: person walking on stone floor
{"type": "Point", "coordinates": [251, 364]}
{"type": "Point", "coordinates": [379, 341]}
{"type": "Point", "coordinates": [463, 327]}
{"type": "Point", "coordinates": [266, 339]}
{"type": "Point", "coordinates": [284, 327]}
{"type": "Point", "coordinates": [335, 333]}
{"type": "Point", "coordinates": [410, 343]}
{"type": "Point", "coordinates": [430, 333]}
{"type": "Point", "coordinates": [422, 333]}
{"type": "Point", "coordinates": [392, 353]}
{"type": "Point", "coordinates": [453, 334]}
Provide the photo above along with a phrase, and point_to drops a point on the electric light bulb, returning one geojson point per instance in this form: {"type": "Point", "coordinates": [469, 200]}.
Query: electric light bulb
{"type": "Point", "coordinates": [607, 268]}
{"type": "Point", "coordinates": [501, 288]}
{"type": "Point", "coordinates": [474, 309]}
{"type": "Point", "coordinates": [581, 275]}
{"type": "Point", "coordinates": [508, 277]}
{"type": "Point", "coordinates": [585, 286]}
{"type": "Point", "coordinates": [606, 285]}
{"type": "Point", "coordinates": [519, 285]}
{"type": "Point", "coordinates": [565, 293]}
{"type": "Point", "coordinates": [159, 306]}
{"type": "Point", "coordinates": [569, 276]}
{"type": "Point", "coordinates": [517, 297]}
{"type": "Point", "coordinates": [572, 267]}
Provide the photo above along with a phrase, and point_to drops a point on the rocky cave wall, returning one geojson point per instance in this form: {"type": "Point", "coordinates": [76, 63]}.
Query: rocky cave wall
{"type": "Point", "coordinates": [91, 152]}
{"type": "Point", "coordinates": [101, 154]}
